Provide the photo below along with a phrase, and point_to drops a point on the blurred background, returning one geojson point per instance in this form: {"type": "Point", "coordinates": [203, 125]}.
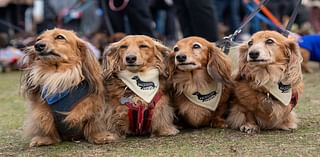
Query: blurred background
{"type": "Point", "coordinates": [101, 22]}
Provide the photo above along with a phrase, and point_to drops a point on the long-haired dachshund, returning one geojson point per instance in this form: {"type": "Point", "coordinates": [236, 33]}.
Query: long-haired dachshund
{"type": "Point", "coordinates": [201, 77]}
{"type": "Point", "coordinates": [135, 80]}
{"type": "Point", "coordinates": [268, 84]}
{"type": "Point", "coordinates": [63, 86]}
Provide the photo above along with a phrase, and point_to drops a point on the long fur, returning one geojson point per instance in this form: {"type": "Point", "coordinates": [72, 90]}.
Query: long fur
{"type": "Point", "coordinates": [54, 75]}
{"type": "Point", "coordinates": [214, 66]}
{"type": "Point", "coordinates": [253, 109]}
{"type": "Point", "coordinates": [117, 114]}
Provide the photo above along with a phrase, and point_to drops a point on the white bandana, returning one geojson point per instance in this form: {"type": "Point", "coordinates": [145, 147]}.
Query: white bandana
{"type": "Point", "coordinates": [280, 91]}
{"type": "Point", "coordinates": [208, 97]}
{"type": "Point", "coordinates": [145, 85]}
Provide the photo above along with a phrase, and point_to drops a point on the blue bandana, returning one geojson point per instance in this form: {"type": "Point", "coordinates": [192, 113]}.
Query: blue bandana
{"type": "Point", "coordinates": [64, 101]}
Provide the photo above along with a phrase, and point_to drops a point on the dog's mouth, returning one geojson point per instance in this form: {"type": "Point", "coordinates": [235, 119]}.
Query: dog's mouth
{"type": "Point", "coordinates": [132, 65]}
{"type": "Point", "coordinates": [46, 54]}
{"type": "Point", "coordinates": [190, 63]}
{"type": "Point", "coordinates": [259, 61]}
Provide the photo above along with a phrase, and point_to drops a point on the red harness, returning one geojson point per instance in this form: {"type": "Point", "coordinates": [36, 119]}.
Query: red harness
{"type": "Point", "coordinates": [140, 117]}
{"type": "Point", "coordinates": [294, 100]}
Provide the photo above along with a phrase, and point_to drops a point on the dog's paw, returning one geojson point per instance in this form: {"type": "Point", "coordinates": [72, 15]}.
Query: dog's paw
{"type": "Point", "coordinates": [289, 126]}
{"type": "Point", "coordinates": [166, 132]}
{"type": "Point", "coordinates": [104, 137]}
{"type": "Point", "coordinates": [249, 128]}
{"type": "Point", "coordinates": [219, 124]}
{"type": "Point", "coordinates": [42, 141]}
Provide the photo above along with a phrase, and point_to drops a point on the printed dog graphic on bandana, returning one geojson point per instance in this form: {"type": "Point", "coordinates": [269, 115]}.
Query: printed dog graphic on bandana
{"type": "Point", "coordinates": [284, 88]}
{"type": "Point", "coordinates": [280, 91]}
{"type": "Point", "coordinates": [144, 85]}
{"type": "Point", "coordinates": [206, 97]}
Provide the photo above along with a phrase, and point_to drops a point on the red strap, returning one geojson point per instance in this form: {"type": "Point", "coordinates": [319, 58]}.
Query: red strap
{"type": "Point", "coordinates": [137, 126]}
{"type": "Point", "coordinates": [294, 100]}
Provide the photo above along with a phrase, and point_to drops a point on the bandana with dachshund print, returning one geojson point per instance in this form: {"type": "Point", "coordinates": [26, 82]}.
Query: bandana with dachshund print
{"type": "Point", "coordinates": [280, 91]}
{"type": "Point", "coordinates": [208, 97]}
{"type": "Point", "coordinates": [145, 84]}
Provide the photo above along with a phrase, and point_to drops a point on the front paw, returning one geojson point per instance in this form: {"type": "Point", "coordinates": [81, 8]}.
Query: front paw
{"type": "Point", "coordinates": [219, 123]}
{"type": "Point", "coordinates": [166, 132]}
{"type": "Point", "coordinates": [249, 128]}
{"type": "Point", "coordinates": [42, 141]}
{"type": "Point", "coordinates": [104, 137]}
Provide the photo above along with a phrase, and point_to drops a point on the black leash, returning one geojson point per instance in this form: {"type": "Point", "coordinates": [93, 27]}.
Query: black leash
{"type": "Point", "coordinates": [228, 39]}
{"type": "Point", "coordinates": [292, 19]}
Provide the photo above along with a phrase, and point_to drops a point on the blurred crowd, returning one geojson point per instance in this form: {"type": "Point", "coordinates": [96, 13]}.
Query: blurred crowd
{"type": "Point", "coordinates": [104, 21]}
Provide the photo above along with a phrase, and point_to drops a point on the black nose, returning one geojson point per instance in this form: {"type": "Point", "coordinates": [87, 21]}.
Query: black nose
{"type": "Point", "coordinates": [40, 46]}
{"type": "Point", "coordinates": [254, 54]}
{"type": "Point", "coordinates": [181, 58]}
{"type": "Point", "coordinates": [131, 59]}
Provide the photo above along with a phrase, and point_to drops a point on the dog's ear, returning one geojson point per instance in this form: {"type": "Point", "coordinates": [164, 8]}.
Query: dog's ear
{"type": "Point", "coordinates": [162, 53]}
{"type": "Point", "coordinates": [28, 58]}
{"type": "Point", "coordinates": [171, 66]}
{"type": "Point", "coordinates": [111, 60]}
{"type": "Point", "coordinates": [219, 65]}
{"type": "Point", "coordinates": [91, 68]}
{"type": "Point", "coordinates": [294, 73]}
{"type": "Point", "coordinates": [243, 50]}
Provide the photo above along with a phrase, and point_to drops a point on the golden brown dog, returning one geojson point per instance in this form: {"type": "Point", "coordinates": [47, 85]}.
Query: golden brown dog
{"type": "Point", "coordinates": [195, 65]}
{"type": "Point", "coordinates": [64, 89]}
{"type": "Point", "coordinates": [267, 85]}
{"type": "Point", "coordinates": [138, 58]}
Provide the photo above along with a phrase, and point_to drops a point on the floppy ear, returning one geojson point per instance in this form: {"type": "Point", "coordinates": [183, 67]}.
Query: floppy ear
{"type": "Point", "coordinates": [219, 65]}
{"type": "Point", "coordinates": [28, 58]}
{"type": "Point", "coordinates": [91, 68]}
{"type": "Point", "coordinates": [294, 73]}
{"type": "Point", "coordinates": [162, 53]}
{"type": "Point", "coordinates": [111, 60]}
{"type": "Point", "coordinates": [171, 66]}
{"type": "Point", "coordinates": [243, 50]}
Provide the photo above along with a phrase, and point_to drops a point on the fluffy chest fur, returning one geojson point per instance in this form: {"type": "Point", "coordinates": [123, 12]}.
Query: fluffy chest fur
{"type": "Point", "coordinates": [52, 80]}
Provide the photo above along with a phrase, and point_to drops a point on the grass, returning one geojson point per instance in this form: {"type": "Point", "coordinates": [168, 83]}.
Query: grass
{"type": "Point", "coordinates": [304, 141]}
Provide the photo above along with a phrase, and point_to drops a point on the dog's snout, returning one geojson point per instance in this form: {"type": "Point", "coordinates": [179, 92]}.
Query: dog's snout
{"type": "Point", "coordinates": [181, 58]}
{"type": "Point", "coordinates": [131, 59]}
{"type": "Point", "coordinates": [254, 54]}
{"type": "Point", "coordinates": [40, 46]}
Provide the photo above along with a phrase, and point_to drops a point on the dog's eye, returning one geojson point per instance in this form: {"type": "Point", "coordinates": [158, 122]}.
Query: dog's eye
{"type": "Point", "coordinates": [143, 46]}
{"type": "Point", "coordinates": [269, 41]}
{"type": "Point", "coordinates": [123, 46]}
{"type": "Point", "coordinates": [250, 43]}
{"type": "Point", "coordinates": [60, 37]}
{"type": "Point", "coordinates": [196, 46]}
{"type": "Point", "coordinates": [176, 49]}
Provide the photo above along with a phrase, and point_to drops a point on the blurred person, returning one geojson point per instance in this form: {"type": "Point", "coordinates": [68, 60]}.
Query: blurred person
{"type": "Point", "coordinates": [197, 18]}
{"type": "Point", "coordinates": [82, 16]}
{"type": "Point", "coordinates": [137, 13]}
{"type": "Point", "coordinates": [163, 14]}
{"type": "Point", "coordinates": [228, 12]}
{"type": "Point", "coordinates": [12, 12]}
{"type": "Point", "coordinates": [314, 11]}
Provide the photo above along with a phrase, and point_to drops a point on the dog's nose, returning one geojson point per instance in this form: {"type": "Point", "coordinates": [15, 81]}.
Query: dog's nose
{"type": "Point", "coordinates": [40, 46]}
{"type": "Point", "coordinates": [131, 59]}
{"type": "Point", "coordinates": [181, 58]}
{"type": "Point", "coordinates": [254, 54]}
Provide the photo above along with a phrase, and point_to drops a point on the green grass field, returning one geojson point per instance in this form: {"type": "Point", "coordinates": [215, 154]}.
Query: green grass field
{"type": "Point", "coordinates": [304, 141]}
